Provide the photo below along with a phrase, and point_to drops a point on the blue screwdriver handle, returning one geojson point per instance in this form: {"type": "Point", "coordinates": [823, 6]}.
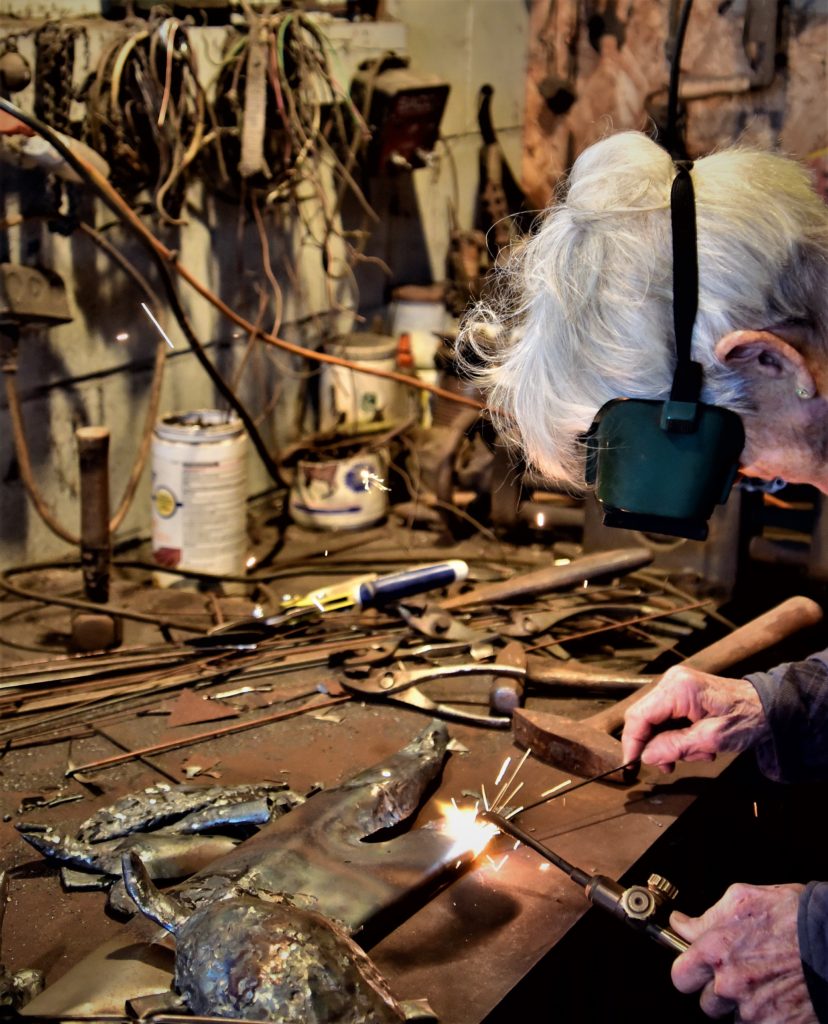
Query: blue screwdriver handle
{"type": "Point", "coordinates": [397, 585]}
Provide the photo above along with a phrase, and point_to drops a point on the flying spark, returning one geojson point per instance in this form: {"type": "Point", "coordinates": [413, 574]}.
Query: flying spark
{"type": "Point", "coordinates": [555, 789]}
{"type": "Point", "coordinates": [498, 800]}
{"type": "Point", "coordinates": [370, 480]}
{"type": "Point", "coordinates": [161, 330]}
{"type": "Point", "coordinates": [502, 771]}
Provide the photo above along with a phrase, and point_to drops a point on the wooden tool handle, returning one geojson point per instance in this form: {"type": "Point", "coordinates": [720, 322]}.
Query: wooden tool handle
{"type": "Point", "coordinates": [757, 635]}
{"type": "Point", "coordinates": [506, 692]}
{"type": "Point", "coordinates": [553, 577]}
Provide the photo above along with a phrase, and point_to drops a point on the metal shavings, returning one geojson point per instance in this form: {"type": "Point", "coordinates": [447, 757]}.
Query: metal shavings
{"type": "Point", "coordinates": [238, 691]}
{"type": "Point", "coordinates": [330, 717]}
{"type": "Point", "coordinates": [28, 803]}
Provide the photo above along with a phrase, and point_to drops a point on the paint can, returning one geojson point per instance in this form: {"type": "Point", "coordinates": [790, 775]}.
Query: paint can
{"type": "Point", "coordinates": [350, 401]}
{"type": "Point", "coordinates": [199, 491]}
{"type": "Point", "coordinates": [340, 493]}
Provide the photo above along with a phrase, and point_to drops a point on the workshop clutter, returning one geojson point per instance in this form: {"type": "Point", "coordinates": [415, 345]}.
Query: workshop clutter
{"type": "Point", "coordinates": [340, 492]}
{"type": "Point", "coordinates": [199, 490]}
{"type": "Point", "coordinates": [350, 400]}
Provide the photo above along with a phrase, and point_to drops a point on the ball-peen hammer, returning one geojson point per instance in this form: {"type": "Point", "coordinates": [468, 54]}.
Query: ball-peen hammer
{"type": "Point", "coordinates": [587, 747]}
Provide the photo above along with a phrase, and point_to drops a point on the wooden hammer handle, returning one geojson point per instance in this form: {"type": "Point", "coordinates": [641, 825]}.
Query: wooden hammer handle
{"type": "Point", "coordinates": [757, 635]}
{"type": "Point", "coordinates": [554, 577]}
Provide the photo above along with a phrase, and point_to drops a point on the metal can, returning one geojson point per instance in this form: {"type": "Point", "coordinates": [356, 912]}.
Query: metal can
{"type": "Point", "coordinates": [350, 401]}
{"type": "Point", "coordinates": [199, 490]}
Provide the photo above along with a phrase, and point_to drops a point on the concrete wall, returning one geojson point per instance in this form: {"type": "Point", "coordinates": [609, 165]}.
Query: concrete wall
{"type": "Point", "coordinates": [97, 368]}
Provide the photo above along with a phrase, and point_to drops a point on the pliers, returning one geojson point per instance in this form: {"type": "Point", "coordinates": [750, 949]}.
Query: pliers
{"type": "Point", "coordinates": [401, 684]}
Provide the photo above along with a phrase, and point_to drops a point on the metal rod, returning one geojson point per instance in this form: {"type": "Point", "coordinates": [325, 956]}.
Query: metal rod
{"type": "Point", "coordinates": [583, 782]}
{"type": "Point", "coordinates": [618, 625]}
{"type": "Point", "coordinates": [93, 456]}
{"type": "Point", "coordinates": [510, 828]}
{"type": "Point", "coordinates": [160, 748]}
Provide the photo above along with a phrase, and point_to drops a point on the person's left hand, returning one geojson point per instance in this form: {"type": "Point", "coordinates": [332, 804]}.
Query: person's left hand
{"type": "Point", "coordinates": [744, 956]}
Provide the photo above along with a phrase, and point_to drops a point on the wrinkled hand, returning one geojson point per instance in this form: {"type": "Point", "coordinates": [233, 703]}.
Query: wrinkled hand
{"type": "Point", "coordinates": [725, 715]}
{"type": "Point", "coordinates": [744, 956]}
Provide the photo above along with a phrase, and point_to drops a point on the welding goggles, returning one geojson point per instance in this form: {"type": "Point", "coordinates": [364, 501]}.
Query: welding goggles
{"type": "Point", "coordinates": [663, 466]}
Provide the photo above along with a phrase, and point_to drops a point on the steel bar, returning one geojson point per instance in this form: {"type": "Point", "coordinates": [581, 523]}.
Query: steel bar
{"type": "Point", "coordinates": [93, 457]}
{"type": "Point", "coordinates": [188, 741]}
{"type": "Point", "coordinates": [618, 625]}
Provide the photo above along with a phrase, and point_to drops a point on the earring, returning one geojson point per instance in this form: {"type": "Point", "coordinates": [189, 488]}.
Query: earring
{"type": "Point", "coordinates": [803, 393]}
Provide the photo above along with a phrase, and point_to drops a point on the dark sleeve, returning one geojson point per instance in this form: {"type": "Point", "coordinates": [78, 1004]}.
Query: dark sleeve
{"type": "Point", "coordinates": [812, 929]}
{"type": "Point", "coordinates": [795, 699]}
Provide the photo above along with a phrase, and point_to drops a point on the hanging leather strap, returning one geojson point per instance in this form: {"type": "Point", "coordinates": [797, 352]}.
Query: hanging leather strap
{"type": "Point", "coordinates": [688, 376]}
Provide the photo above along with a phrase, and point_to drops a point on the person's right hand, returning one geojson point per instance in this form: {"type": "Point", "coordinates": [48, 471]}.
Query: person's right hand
{"type": "Point", "coordinates": [744, 956]}
{"type": "Point", "coordinates": [724, 715]}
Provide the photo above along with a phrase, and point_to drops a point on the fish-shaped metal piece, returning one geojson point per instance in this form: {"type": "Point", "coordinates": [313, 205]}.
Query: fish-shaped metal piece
{"type": "Point", "coordinates": [319, 849]}
{"type": "Point", "coordinates": [165, 856]}
{"type": "Point", "coordinates": [162, 804]}
{"type": "Point", "coordinates": [266, 960]}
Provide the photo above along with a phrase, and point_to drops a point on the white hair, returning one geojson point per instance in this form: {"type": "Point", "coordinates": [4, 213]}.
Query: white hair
{"type": "Point", "coordinates": [581, 312]}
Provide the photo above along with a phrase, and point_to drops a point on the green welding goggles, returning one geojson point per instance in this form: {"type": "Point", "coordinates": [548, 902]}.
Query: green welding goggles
{"type": "Point", "coordinates": [663, 466]}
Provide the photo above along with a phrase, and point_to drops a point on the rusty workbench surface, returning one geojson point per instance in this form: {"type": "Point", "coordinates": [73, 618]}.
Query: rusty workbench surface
{"type": "Point", "coordinates": [463, 951]}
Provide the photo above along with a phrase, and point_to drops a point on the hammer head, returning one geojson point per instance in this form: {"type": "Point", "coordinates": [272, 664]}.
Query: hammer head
{"type": "Point", "coordinates": [567, 744]}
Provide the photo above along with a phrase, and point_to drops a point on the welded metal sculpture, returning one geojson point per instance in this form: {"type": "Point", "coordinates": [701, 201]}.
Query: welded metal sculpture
{"type": "Point", "coordinates": [316, 854]}
{"type": "Point", "coordinates": [265, 959]}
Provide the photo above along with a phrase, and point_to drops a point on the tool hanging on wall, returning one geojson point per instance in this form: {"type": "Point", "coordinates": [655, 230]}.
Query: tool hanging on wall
{"type": "Point", "coordinates": [403, 108]}
{"type": "Point", "coordinates": [500, 197]}
{"type": "Point", "coordinates": [54, 70]}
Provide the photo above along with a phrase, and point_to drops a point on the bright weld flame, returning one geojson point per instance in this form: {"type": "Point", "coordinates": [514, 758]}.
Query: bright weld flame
{"type": "Point", "coordinates": [540, 519]}
{"type": "Point", "coordinates": [461, 825]}
{"type": "Point", "coordinates": [370, 480]}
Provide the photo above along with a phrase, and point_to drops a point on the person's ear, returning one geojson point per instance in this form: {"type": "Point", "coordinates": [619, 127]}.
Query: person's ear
{"type": "Point", "coordinates": [766, 357]}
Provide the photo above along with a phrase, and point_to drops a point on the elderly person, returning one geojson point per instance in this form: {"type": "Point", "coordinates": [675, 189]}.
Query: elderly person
{"type": "Point", "coordinates": [582, 314]}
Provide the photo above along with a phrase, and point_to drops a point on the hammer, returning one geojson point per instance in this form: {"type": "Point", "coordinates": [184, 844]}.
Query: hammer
{"type": "Point", "coordinates": [599, 564]}
{"type": "Point", "coordinates": [586, 747]}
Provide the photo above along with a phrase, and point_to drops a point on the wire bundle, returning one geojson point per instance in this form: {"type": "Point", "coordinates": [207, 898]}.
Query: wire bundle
{"type": "Point", "coordinates": [147, 113]}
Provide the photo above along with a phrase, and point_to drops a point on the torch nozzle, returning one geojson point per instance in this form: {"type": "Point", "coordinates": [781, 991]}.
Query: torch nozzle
{"type": "Point", "coordinates": [509, 828]}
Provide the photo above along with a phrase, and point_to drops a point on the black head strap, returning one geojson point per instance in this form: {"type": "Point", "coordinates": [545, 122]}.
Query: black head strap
{"type": "Point", "coordinates": [688, 377]}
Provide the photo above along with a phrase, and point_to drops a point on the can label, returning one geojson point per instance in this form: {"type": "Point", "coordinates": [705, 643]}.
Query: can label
{"type": "Point", "coordinates": [199, 490]}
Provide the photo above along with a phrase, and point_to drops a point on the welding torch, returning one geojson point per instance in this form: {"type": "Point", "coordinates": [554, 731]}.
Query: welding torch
{"type": "Point", "coordinates": [638, 905]}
